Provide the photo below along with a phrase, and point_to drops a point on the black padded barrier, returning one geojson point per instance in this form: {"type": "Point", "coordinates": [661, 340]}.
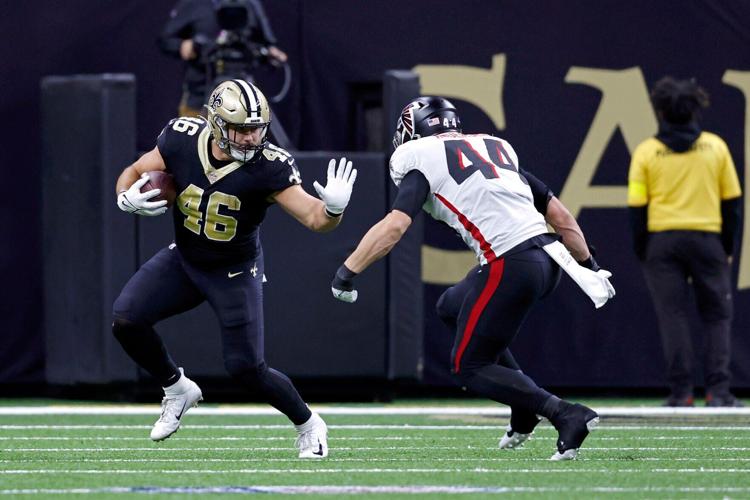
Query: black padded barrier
{"type": "Point", "coordinates": [88, 131]}
{"type": "Point", "coordinates": [405, 288]}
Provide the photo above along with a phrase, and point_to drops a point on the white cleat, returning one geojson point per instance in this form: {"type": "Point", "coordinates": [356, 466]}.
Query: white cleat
{"type": "Point", "coordinates": [174, 407]}
{"type": "Point", "coordinates": [313, 442]}
{"type": "Point", "coordinates": [512, 440]}
{"type": "Point", "coordinates": [566, 455]}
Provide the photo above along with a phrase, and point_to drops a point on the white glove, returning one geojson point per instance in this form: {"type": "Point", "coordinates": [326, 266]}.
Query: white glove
{"type": "Point", "coordinates": [342, 285]}
{"type": "Point", "coordinates": [349, 296]}
{"type": "Point", "coordinates": [338, 188]}
{"type": "Point", "coordinates": [595, 284]}
{"type": "Point", "coordinates": [133, 201]}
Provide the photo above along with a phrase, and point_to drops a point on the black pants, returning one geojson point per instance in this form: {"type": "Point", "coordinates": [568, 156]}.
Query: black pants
{"type": "Point", "coordinates": [167, 285]}
{"type": "Point", "coordinates": [486, 309]}
{"type": "Point", "coordinates": [673, 258]}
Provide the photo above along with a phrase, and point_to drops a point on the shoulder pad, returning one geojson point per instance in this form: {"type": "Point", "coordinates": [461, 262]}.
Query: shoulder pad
{"type": "Point", "coordinates": [274, 153]}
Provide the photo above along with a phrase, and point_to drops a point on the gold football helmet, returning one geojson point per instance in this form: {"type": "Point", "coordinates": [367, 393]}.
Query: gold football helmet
{"type": "Point", "coordinates": [237, 105]}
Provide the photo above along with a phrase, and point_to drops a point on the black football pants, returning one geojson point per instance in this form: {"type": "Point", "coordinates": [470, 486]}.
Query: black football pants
{"type": "Point", "coordinates": [167, 285]}
{"type": "Point", "coordinates": [486, 309]}
{"type": "Point", "coordinates": [672, 258]}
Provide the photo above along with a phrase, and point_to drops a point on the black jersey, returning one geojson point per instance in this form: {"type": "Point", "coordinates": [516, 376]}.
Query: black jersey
{"type": "Point", "coordinates": [218, 210]}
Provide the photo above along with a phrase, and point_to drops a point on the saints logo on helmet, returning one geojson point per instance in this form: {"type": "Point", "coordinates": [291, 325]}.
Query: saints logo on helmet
{"type": "Point", "coordinates": [426, 116]}
{"type": "Point", "coordinates": [238, 106]}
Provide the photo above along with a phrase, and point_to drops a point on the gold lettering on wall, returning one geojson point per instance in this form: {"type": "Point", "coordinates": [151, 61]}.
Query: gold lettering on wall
{"type": "Point", "coordinates": [481, 87]}
{"type": "Point", "coordinates": [625, 105]}
{"type": "Point", "coordinates": [446, 267]}
{"type": "Point", "coordinates": [741, 80]}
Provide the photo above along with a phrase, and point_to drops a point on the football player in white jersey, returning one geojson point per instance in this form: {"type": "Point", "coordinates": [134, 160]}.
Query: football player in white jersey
{"type": "Point", "coordinates": [473, 183]}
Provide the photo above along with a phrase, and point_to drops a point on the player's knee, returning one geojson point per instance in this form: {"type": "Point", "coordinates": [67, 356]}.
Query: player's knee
{"type": "Point", "coordinates": [245, 370]}
{"type": "Point", "coordinates": [125, 309]}
{"type": "Point", "coordinates": [445, 309]}
{"type": "Point", "coordinates": [123, 329]}
{"type": "Point", "coordinates": [121, 306]}
{"type": "Point", "coordinates": [463, 379]}
{"type": "Point", "coordinates": [467, 373]}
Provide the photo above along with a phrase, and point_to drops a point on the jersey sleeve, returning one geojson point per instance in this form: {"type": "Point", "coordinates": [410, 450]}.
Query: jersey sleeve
{"type": "Point", "coordinates": [402, 162]}
{"type": "Point", "coordinates": [285, 172]}
{"type": "Point", "coordinates": [542, 194]}
{"type": "Point", "coordinates": [729, 183]}
{"type": "Point", "coordinates": [425, 155]}
{"type": "Point", "coordinates": [638, 178]}
{"type": "Point", "coordinates": [168, 142]}
{"type": "Point", "coordinates": [412, 193]}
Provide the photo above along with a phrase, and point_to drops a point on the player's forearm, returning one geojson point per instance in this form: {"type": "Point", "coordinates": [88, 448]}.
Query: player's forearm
{"type": "Point", "coordinates": [126, 179]}
{"type": "Point", "coordinates": [572, 238]}
{"type": "Point", "coordinates": [321, 222]}
{"type": "Point", "coordinates": [378, 242]}
{"type": "Point", "coordinates": [566, 226]}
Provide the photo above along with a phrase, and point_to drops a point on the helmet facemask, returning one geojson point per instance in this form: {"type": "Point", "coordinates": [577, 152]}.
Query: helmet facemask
{"type": "Point", "coordinates": [232, 147]}
{"type": "Point", "coordinates": [235, 106]}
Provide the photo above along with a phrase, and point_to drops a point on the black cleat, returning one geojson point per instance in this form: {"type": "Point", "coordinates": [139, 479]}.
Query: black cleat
{"type": "Point", "coordinates": [573, 424]}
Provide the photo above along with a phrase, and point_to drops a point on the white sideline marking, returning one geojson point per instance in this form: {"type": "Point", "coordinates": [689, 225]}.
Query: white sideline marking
{"type": "Point", "coordinates": [346, 438]}
{"type": "Point", "coordinates": [346, 460]}
{"type": "Point", "coordinates": [499, 411]}
{"type": "Point", "coordinates": [366, 427]}
{"type": "Point", "coordinates": [358, 490]}
{"type": "Point", "coordinates": [479, 470]}
{"type": "Point", "coordinates": [344, 448]}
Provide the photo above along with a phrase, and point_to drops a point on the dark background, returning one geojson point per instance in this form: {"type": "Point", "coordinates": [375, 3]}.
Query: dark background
{"type": "Point", "coordinates": [339, 50]}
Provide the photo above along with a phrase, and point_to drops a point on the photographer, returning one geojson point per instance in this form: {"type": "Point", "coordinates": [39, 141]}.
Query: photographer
{"type": "Point", "coordinates": [196, 28]}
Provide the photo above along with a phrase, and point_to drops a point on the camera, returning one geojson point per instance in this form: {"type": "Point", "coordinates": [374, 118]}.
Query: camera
{"type": "Point", "coordinates": [233, 53]}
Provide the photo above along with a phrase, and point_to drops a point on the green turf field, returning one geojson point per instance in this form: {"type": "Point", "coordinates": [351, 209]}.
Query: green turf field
{"type": "Point", "coordinates": [371, 456]}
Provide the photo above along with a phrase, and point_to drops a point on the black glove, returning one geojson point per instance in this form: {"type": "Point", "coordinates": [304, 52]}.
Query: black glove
{"type": "Point", "coordinates": [590, 263]}
{"type": "Point", "coordinates": [342, 285]}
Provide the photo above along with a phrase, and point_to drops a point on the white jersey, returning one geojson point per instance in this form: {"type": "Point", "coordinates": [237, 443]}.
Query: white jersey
{"type": "Point", "coordinates": [475, 188]}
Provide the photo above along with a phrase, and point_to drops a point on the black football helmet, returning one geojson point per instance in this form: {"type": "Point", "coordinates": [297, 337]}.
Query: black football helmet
{"type": "Point", "coordinates": [426, 116]}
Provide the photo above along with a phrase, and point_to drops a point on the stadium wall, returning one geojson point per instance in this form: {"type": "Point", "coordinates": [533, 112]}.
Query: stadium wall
{"type": "Point", "coordinates": [567, 86]}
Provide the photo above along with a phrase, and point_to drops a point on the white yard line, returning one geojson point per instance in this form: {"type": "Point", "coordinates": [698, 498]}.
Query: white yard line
{"type": "Point", "coordinates": [332, 470]}
{"type": "Point", "coordinates": [339, 439]}
{"type": "Point", "coordinates": [358, 490]}
{"type": "Point", "coordinates": [341, 448]}
{"type": "Point", "coordinates": [500, 411]}
{"type": "Point", "coordinates": [400, 427]}
{"type": "Point", "coordinates": [506, 459]}
{"type": "Point", "coordinates": [349, 438]}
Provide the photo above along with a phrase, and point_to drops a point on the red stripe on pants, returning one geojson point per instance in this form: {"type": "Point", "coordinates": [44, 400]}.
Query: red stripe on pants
{"type": "Point", "coordinates": [496, 275]}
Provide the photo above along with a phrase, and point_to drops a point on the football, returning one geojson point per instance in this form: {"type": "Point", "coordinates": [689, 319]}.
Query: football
{"type": "Point", "coordinates": [164, 181]}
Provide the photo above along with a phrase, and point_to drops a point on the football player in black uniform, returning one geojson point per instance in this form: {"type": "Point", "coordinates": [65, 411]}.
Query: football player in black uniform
{"type": "Point", "coordinates": [226, 175]}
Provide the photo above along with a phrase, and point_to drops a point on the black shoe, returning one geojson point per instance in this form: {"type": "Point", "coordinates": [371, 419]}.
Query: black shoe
{"type": "Point", "coordinates": [573, 424]}
{"type": "Point", "coordinates": [723, 400]}
{"type": "Point", "coordinates": [680, 401]}
{"type": "Point", "coordinates": [519, 430]}
{"type": "Point", "coordinates": [523, 421]}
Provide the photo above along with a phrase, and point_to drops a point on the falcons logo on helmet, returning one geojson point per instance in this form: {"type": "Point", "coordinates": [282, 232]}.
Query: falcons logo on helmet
{"type": "Point", "coordinates": [405, 124]}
